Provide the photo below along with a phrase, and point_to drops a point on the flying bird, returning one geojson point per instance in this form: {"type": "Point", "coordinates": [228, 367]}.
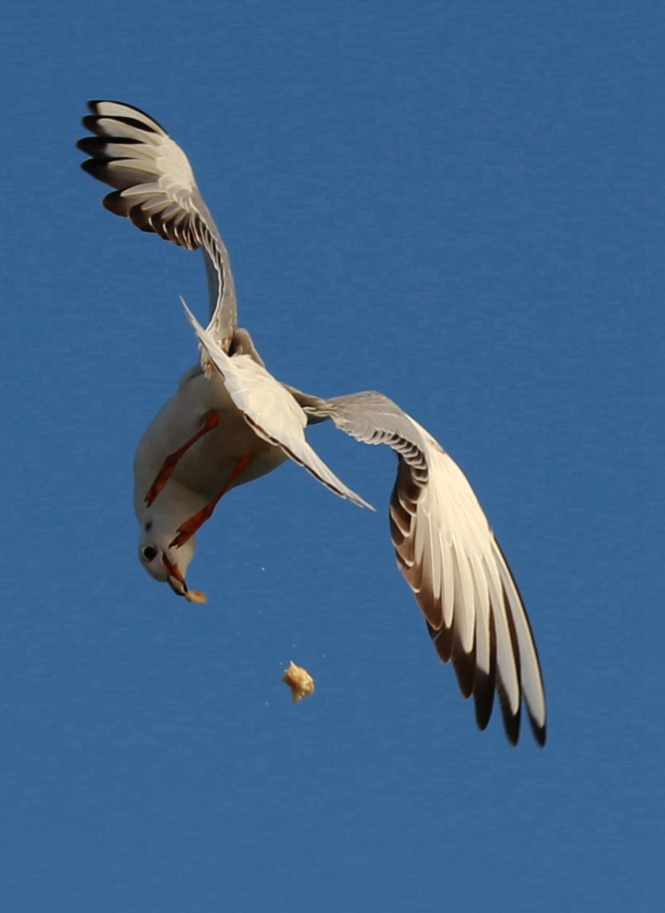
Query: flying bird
{"type": "Point", "coordinates": [230, 421]}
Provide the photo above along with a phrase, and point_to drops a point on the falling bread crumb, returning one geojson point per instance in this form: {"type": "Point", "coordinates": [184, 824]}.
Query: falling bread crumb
{"type": "Point", "coordinates": [299, 681]}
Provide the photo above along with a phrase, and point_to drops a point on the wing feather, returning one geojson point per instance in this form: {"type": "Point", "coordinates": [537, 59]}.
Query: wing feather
{"type": "Point", "coordinates": [483, 691]}
{"type": "Point", "coordinates": [156, 189]}
{"type": "Point", "coordinates": [450, 558]}
{"type": "Point", "coordinates": [268, 408]}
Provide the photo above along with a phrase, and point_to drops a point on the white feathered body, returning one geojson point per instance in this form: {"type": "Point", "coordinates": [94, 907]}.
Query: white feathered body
{"type": "Point", "coordinates": [209, 463]}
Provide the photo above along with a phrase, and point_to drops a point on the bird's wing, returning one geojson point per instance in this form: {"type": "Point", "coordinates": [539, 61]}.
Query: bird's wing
{"type": "Point", "coordinates": [453, 563]}
{"type": "Point", "coordinates": [157, 190]}
{"type": "Point", "coordinates": [268, 408]}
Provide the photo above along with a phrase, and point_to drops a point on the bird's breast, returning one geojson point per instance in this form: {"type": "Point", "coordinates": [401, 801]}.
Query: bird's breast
{"type": "Point", "coordinates": [207, 465]}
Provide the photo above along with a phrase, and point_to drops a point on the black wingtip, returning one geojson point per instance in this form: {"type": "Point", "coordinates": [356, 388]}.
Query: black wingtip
{"type": "Point", "coordinates": [465, 668]}
{"type": "Point", "coordinates": [511, 721]}
{"type": "Point", "coordinates": [513, 731]}
{"type": "Point", "coordinates": [93, 106]}
{"type": "Point", "coordinates": [95, 167]}
{"type": "Point", "coordinates": [90, 123]}
{"type": "Point", "coordinates": [97, 146]}
{"type": "Point", "coordinates": [485, 683]}
{"type": "Point", "coordinates": [539, 734]}
{"type": "Point", "coordinates": [442, 640]}
{"type": "Point", "coordinates": [483, 698]}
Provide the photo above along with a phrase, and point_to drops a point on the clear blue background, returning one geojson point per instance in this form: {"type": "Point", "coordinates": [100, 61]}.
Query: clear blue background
{"type": "Point", "coordinates": [460, 205]}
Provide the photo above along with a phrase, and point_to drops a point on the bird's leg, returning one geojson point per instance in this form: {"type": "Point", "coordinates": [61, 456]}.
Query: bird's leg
{"type": "Point", "coordinates": [187, 529]}
{"type": "Point", "coordinates": [210, 421]}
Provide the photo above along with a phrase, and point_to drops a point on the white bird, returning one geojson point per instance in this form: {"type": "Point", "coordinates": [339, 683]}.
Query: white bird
{"type": "Point", "coordinates": [231, 421]}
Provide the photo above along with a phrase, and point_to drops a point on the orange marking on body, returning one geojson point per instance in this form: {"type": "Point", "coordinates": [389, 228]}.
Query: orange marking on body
{"type": "Point", "coordinates": [187, 529]}
{"type": "Point", "coordinates": [210, 422]}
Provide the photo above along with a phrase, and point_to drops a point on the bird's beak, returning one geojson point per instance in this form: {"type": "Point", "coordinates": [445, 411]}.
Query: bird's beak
{"type": "Point", "coordinates": [178, 584]}
{"type": "Point", "coordinates": [175, 579]}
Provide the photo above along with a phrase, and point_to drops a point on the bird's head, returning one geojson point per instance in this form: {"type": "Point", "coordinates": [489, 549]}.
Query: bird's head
{"type": "Point", "coordinates": [166, 562]}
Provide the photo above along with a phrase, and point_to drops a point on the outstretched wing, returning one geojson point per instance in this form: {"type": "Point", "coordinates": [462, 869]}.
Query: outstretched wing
{"type": "Point", "coordinates": [156, 189]}
{"type": "Point", "coordinates": [453, 563]}
{"type": "Point", "coordinates": [268, 408]}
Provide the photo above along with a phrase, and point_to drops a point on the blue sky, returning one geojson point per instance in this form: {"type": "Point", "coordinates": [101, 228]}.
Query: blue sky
{"type": "Point", "coordinates": [460, 206]}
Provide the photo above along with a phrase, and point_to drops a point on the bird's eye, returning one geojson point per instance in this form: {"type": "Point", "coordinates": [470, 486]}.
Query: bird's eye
{"type": "Point", "coordinates": [149, 552]}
